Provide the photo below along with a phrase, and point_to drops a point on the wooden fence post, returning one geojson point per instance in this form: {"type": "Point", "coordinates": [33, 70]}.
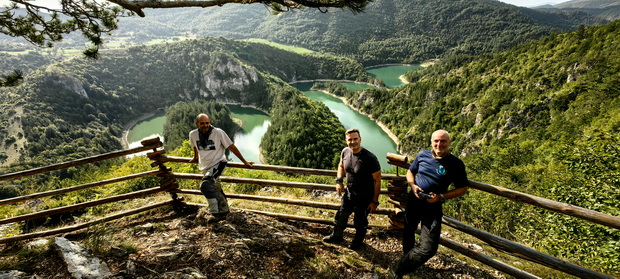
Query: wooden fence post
{"type": "Point", "coordinates": [167, 179]}
{"type": "Point", "coordinates": [397, 193]}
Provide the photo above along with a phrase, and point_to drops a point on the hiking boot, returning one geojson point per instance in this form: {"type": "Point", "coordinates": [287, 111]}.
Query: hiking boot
{"type": "Point", "coordinates": [333, 239]}
{"type": "Point", "coordinates": [356, 245]}
{"type": "Point", "coordinates": [358, 240]}
{"type": "Point", "coordinates": [392, 274]}
{"type": "Point", "coordinates": [215, 218]}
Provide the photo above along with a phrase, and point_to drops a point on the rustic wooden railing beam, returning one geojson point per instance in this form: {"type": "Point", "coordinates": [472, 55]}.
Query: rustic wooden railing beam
{"type": "Point", "coordinates": [62, 209]}
{"type": "Point", "coordinates": [83, 225]}
{"type": "Point", "coordinates": [524, 252]}
{"type": "Point", "coordinates": [564, 208]}
{"type": "Point", "coordinates": [266, 182]}
{"type": "Point", "coordinates": [313, 204]}
{"type": "Point", "coordinates": [78, 162]}
{"type": "Point", "coordinates": [290, 217]}
{"type": "Point", "coordinates": [503, 267]}
{"type": "Point", "coordinates": [283, 169]}
{"type": "Point", "coordinates": [78, 187]}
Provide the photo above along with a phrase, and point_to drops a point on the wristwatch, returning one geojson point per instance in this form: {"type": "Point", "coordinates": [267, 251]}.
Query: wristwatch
{"type": "Point", "coordinates": [339, 180]}
{"type": "Point", "coordinates": [375, 202]}
{"type": "Point", "coordinates": [442, 198]}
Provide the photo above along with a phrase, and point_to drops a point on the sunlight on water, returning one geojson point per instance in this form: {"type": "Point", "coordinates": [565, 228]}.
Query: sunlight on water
{"type": "Point", "coordinates": [138, 144]}
{"type": "Point", "coordinates": [255, 122]}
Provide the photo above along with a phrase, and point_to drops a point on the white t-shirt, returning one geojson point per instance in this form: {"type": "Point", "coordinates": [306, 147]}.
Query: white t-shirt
{"type": "Point", "coordinates": [214, 151]}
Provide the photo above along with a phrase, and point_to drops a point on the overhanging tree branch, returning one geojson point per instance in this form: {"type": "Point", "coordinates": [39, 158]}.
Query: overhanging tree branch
{"type": "Point", "coordinates": [137, 6]}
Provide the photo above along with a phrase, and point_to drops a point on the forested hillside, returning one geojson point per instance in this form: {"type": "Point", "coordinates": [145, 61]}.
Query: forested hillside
{"type": "Point", "coordinates": [542, 118]}
{"type": "Point", "coordinates": [77, 107]}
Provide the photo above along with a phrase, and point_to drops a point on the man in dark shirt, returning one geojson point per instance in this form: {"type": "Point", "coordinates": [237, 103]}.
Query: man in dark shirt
{"type": "Point", "coordinates": [361, 195]}
{"type": "Point", "coordinates": [429, 176]}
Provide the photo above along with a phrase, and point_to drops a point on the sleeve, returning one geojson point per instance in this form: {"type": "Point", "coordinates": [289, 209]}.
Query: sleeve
{"type": "Point", "coordinates": [376, 166]}
{"type": "Point", "coordinates": [226, 141]}
{"type": "Point", "coordinates": [192, 143]}
{"type": "Point", "coordinates": [461, 180]}
{"type": "Point", "coordinates": [414, 166]}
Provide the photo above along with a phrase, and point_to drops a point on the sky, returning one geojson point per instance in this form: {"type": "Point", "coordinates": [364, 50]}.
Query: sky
{"type": "Point", "coordinates": [522, 3]}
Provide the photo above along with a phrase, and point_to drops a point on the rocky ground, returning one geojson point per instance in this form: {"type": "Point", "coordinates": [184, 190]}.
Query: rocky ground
{"type": "Point", "coordinates": [168, 244]}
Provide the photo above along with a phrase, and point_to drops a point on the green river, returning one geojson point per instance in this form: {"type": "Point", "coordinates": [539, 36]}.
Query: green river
{"type": "Point", "coordinates": [255, 122]}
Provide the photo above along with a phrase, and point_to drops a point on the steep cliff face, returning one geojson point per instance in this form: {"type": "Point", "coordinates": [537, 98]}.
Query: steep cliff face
{"type": "Point", "coordinates": [72, 85]}
{"type": "Point", "coordinates": [229, 81]}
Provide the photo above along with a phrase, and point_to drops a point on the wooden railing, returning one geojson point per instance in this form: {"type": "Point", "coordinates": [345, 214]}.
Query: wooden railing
{"type": "Point", "coordinates": [396, 192]}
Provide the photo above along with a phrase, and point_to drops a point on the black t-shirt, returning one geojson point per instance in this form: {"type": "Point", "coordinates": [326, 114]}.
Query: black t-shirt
{"type": "Point", "coordinates": [359, 168]}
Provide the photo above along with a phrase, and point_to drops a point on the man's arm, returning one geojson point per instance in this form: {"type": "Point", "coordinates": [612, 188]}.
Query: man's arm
{"type": "Point", "coordinates": [411, 181]}
{"type": "Point", "coordinates": [340, 173]}
{"type": "Point", "coordinates": [235, 151]}
{"type": "Point", "coordinates": [376, 176]}
{"type": "Point", "coordinates": [454, 193]}
{"type": "Point", "coordinates": [195, 159]}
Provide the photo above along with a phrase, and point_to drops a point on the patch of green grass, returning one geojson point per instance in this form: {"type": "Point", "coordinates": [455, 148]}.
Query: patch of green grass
{"type": "Point", "coordinates": [130, 248]}
{"type": "Point", "coordinates": [322, 268]}
{"type": "Point", "coordinates": [22, 259]}
{"type": "Point", "coordinates": [294, 49]}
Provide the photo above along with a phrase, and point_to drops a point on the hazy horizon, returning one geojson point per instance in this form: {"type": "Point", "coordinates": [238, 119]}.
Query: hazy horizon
{"type": "Point", "coordinates": [533, 3]}
{"type": "Point", "coordinates": [521, 3]}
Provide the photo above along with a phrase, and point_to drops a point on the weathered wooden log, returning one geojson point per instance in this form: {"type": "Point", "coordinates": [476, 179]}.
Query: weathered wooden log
{"type": "Point", "coordinates": [508, 269]}
{"type": "Point", "coordinates": [524, 252]}
{"type": "Point", "coordinates": [62, 209]}
{"type": "Point", "coordinates": [289, 217]}
{"type": "Point", "coordinates": [78, 162]}
{"type": "Point", "coordinates": [155, 140]}
{"type": "Point", "coordinates": [77, 187]}
{"type": "Point", "coordinates": [266, 182]}
{"type": "Point", "coordinates": [313, 204]}
{"type": "Point", "coordinates": [283, 169]}
{"type": "Point", "coordinates": [396, 158]}
{"type": "Point", "coordinates": [83, 225]}
{"type": "Point", "coordinates": [564, 208]}
{"type": "Point", "coordinates": [153, 155]}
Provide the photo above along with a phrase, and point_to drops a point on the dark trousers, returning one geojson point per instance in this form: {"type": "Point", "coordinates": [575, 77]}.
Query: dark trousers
{"type": "Point", "coordinates": [353, 203]}
{"type": "Point", "coordinates": [429, 216]}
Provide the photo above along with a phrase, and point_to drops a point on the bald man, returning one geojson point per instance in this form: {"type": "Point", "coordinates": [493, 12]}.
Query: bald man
{"type": "Point", "coordinates": [429, 177]}
{"type": "Point", "coordinates": [210, 144]}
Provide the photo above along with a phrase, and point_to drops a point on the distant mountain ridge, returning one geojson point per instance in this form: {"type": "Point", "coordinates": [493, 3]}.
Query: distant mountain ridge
{"type": "Point", "coordinates": [604, 9]}
{"type": "Point", "coordinates": [389, 31]}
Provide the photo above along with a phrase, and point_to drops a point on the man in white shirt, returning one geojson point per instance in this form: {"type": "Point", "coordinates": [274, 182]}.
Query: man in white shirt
{"type": "Point", "coordinates": [210, 144]}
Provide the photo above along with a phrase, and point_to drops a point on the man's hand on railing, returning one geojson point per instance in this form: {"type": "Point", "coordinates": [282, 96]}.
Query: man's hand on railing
{"type": "Point", "coordinates": [339, 188]}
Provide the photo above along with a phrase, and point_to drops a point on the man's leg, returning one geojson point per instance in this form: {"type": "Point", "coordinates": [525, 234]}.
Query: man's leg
{"type": "Point", "coordinates": [340, 224]}
{"type": "Point", "coordinates": [426, 249]}
{"type": "Point", "coordinates": [211, 188]}
{"type": "Point", "coordinates": [341, 220]}
{"type": "Point", "coordinates": [360, 221]}
{"type": "Point", "coordinates": [222, 201]}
